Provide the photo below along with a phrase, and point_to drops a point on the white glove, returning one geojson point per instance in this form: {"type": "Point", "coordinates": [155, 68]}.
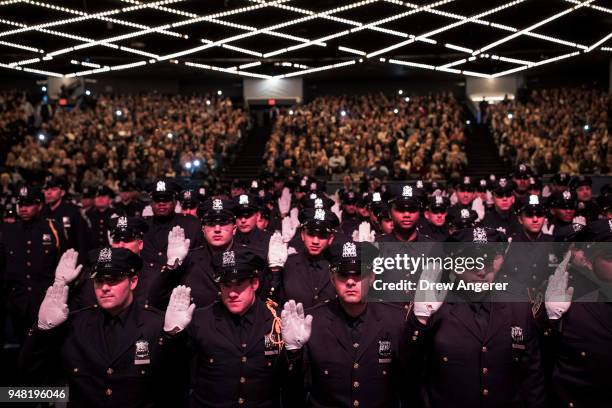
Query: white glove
{"type": "Point", "coordinates": [277, 251]}
{"type": "Point", "coordinates": [364, 234]}
{"type": "Point", "coordinates": [53, 309]}
{"type": "Point", "coordinates": [546, 192]}
{"type": "Point", "coordinates": [558, 298]}
{"type": "Point", "coordinates": [288, 230]}
{"type": "Point", "coordinates": [478, 206]}
{"type": "Point", "coordinates": [295, 327]}
{"type": "Point", "coordinates": [548, 229]}
{"type": "Point", "coordinates": [579, 220]}
{"type": "Point", "coordinates": [427, 302]}
{"type": "Point", "coordinates": [355, 236]}
{"type": "Point", "coordinates": [336, 210]}
{"type": "Point", "coordinates": [180, 309]}
{"type": "Point", "coordinates": [147, 211]}
{"type": "Point", "coordinates": [293, 215]}
{"type": "Point", "coordinates": [178, 208]}
{"type": "Point", "coordinates": [178, 246]}
{"type": "Point", "coordinates": [284, 202]}
{"type": "Point", "coordinates": [66, 270]}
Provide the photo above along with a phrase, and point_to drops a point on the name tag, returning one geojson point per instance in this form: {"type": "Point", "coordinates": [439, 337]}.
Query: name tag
{"type": "Point", "coordinates": [270, 349]}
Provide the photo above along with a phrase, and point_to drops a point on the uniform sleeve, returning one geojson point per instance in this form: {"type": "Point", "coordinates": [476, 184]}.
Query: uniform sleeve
{"type": "Point", "coordinates": [412, 357]}
{"type": "Point", "coordinates": [532, 383]}
{"type": "Point", "coordinates": [163, 284]}
{"type": "Point", "coordinates": [39, 358]}
{"type": "Point", "coordinates": [294, 389]}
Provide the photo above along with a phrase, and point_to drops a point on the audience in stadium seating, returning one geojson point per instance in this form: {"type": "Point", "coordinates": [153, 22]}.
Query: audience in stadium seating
{"type": "Point", "coordinates": [109, 139]}
{"type": "Point", "coordinates": [384, 137]}
{"type": "Point", "coordinates": [556, 130]}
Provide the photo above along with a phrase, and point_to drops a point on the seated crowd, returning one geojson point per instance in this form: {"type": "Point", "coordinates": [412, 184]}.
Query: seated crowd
{"type": "Point", "coordinates": [556, 130]}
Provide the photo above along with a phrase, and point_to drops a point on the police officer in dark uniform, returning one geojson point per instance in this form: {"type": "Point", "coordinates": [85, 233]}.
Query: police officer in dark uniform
{"type": "Point", "coordinates": [110, 354]}
{"type": "Point", "coordinates": [100, 215]}
{"type": "Point", "coordinates": [465, 193]}
{"type": "Point", "coordinates": [563, 210]}
{"type": "Point", "coordinates": [520, 179]}
{"type": "Point", "coordinates": [190, 199]}
{"type": "Point", "coordinates": [67, 215]}
{"type": "Point", "coordinates": [31, 249]}
{"type": "Point", "coordinates": [246, 210]}
{"type": "Point", "coordinates": [532, 216]}
{"type": "Point", "coordinates": [469, 349]}
{"type": "Point", "coordinates": [435, 215]}
{"type": "Point", "coordinates": [236, 344]}
{"type": "Point", "coordinates": [350, 218]}
{"type": "Point", "coordinates": [586, 206]}
{"type": "Point", "coordinates": [128, 203]}
{"type": "Point", "coordinates": [502, 217]}
{"type": "Point", "coordinates": [305, 277]}
{"type": "Point", "coordinates": [352, 358]}
{"type": "Point", "coordinates": [579, 328]}
{"type": "Point", "coordinates": [405, 212]}
{"type": "Point", "coordinates": [163, 192]}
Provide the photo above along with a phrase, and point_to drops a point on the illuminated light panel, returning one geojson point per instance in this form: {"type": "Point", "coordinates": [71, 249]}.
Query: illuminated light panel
{"type": "Point", "coordinates": [318, 69]}
{"type": "Point", "coordinates": [230, 71]}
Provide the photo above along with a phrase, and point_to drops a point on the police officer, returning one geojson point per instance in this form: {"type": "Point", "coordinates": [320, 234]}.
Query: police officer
{"type": "Point", "coordinates": [352, 356]}
{"type": "Point", "coordinates": [100, 215]}
{"type": "Point", "coordinates": [469, 350]}
{"type": "Point", "coordinates": [110, 354]}
{"type": "Point", "coordinates": [580, 330]}
{"type": "Point", "coordinates": [163, 192]}
{"type": "Point", "coordinates": [237, 343]}
{"type": "Point", "coordinates": [435, 215]}
{"type": "Point", "coordinates": [350, 218]}
{"type": "Point", "coordinates": [66, 214]}
{"type": "Point", "coordinates": [465, 193]}
{"type": "Point", "coordinates": [502, 218]}
{"type": "Point", "coordinates": [520, 179]}
{"type": "Point", "coordinates": [246, 210]}
{"type": "Point", "coordinates": [405, 211]}
{"type": "Point", "coordinates": [195, 268]}
{"type": "Point", "coordinates": [305, 277]}
{"type": "Point", "coordinates": [532, 216]}
{"type": "Point", "coordinates": [128, 203]}
{"type": "Point", "coordinates": [586, 206]}
{"type": "Point", "coordinates": [190, 199]}
{"type": "Point", "coordinates": [563, 210]}
{"type": "Point", "coordinates": [31, 248]}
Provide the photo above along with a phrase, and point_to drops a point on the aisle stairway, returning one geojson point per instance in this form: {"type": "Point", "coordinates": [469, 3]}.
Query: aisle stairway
{"type": "Point", "coordinates": [482, 153]}
{"type": "Point", "coordinates": [249, 160]}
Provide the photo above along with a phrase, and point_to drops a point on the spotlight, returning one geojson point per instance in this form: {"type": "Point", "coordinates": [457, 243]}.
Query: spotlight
{"type": "Point", "coordinates": [196, 163]}
{"type": "Point", "coordinates": [219, 92]}
{"type": "Point", "coordinates": [400, 92]}
{"type": "Point", "coordinates": [586, 127]}
{"type": "Point", "coordinates": [41, 137]}
{"type": "Point", "coordinates": [87, 92]}
{"type": "Point", "coordinates": [207, 102]}
{"type": "Point", "coordinates": [343, 113]}
{"type": "Point", "coordinates": [188, 165]}
{"type": "Point", "coordinates": [291, 111]}
{"type": "Point", "coordinates": [510, 116]}
{"type": "Point", "coordinates": [396, 111]}
{"type": "Point", "coordinates": [170, 135]}
{"type": "Point", "coordinates": [407, 99]}
{"type": "Point", "coordinates": [44, 89]}
{"type": "Point", "coordinates": [467, 122]}
{"type": "Point", "coordinates": [118, 112]}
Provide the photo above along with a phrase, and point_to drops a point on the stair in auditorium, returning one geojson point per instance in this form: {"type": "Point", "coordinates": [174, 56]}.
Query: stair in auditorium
{"type": "Point", "coordinates": [248, 162]}
{"type": "Point", "coordinates": [482, 153]}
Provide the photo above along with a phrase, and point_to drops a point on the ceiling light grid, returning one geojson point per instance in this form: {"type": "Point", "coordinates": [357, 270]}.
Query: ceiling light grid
{"type": "Point", "coordinates": [259, 58]}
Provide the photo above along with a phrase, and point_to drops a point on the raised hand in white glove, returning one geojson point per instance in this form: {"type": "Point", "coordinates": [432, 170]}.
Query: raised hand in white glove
{"type": "Point", "coordinates": [478, 207]}
{"type": "Point", "coordinates": [558, 297]}
{"type": "Point", "coordinates": [178, 246]}
{"type": "Point", "coordinates": [284, 202]}
{"type": "Point", "coordinates": [427, 302]}
{"type": "Point", "coordinates": [295, 326]}
{"type": "Point", "coordinates": [67, 269]}
{"type": "Point", "coordinates": [579, 220]}
{"type": "Point", "coordinates": [277, 251]}
{"type": "Point", "coordinates": [180, 310]}
{"type": "Point", "coordinates": [54, 308]}
{"type": "Point", "coordinates": [365, 234]}
{"type": "Point", "coordinates": [355, 236]}
{"type": "Point", "coordinates": [548, 228]}
{"type": "Point", "coordinates": [147, 211]}
{"type": "Point", "coordinates": [288, 229]}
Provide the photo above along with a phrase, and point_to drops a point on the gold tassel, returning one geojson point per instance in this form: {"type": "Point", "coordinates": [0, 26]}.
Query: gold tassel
{"type": "Point", "coordinates": [275, 334]}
